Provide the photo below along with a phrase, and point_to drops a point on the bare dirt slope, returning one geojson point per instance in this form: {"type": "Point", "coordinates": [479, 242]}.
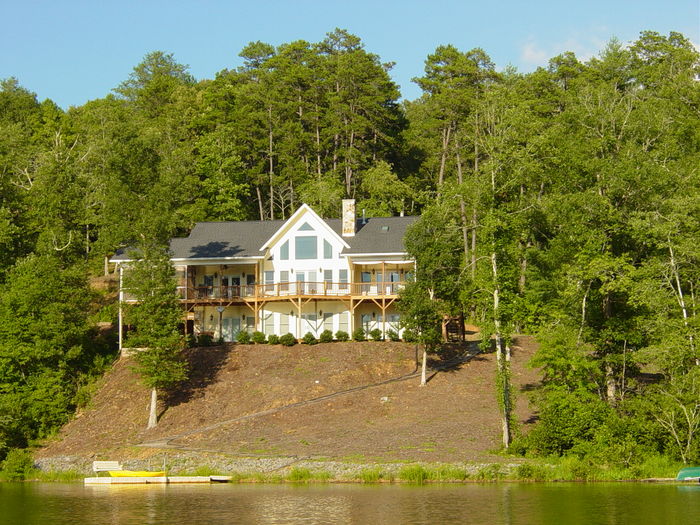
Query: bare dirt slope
{"type": "Point", "coordinates": [454, 418]}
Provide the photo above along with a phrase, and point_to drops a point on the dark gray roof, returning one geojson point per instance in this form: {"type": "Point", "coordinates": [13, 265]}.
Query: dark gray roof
{"type": "Point", "coordinates": [212, 240]}
{"type": "Point", "coordinates": [379, 235]}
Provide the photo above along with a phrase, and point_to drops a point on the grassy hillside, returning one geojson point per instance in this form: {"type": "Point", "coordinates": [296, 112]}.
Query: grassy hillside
{"type": "Point", "coordinates": [353, 401]}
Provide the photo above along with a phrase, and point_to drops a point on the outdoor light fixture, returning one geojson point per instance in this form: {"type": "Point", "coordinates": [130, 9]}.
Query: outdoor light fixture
{"type": "Point", "coordinates": [211, 318]}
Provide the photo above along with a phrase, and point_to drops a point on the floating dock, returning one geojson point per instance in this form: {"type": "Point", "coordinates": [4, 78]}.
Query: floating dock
{"type": "Point", "coordinates": [156, 480]}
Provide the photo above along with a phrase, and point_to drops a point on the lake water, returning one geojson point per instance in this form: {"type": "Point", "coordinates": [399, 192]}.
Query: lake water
{"type": "Point", "coordinates": [503, 503]}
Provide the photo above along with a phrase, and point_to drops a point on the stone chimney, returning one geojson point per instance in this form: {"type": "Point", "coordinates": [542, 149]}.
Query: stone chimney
{"type": "Point", "coordinates": [348, 217]}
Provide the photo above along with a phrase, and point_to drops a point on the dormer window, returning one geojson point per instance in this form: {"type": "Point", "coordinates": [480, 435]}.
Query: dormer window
{"type": "Point", "coordinates": [306, 227]}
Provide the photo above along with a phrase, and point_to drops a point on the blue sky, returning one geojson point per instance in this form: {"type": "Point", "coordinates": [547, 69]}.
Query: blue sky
{"type": "Point", "coordinates": [72, 51]}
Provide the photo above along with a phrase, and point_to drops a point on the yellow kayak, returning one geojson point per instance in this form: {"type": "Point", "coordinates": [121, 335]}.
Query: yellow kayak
{"type": "Point", "coordinates": [136, 473]}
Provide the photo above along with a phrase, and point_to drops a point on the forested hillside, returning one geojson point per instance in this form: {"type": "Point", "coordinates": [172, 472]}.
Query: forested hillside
{"type": "Point", "coordinates": [563, 202]}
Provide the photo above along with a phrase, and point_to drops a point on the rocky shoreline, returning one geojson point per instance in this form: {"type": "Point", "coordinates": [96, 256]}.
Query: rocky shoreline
{"type": "Point", "coordinates": [186, 461]}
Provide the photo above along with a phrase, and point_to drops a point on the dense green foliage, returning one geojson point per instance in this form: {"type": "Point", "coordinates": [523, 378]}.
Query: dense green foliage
{"type": "Point", "coordinates": [155, 319]}
{"type": "Point", "coordinates": [564, 202]}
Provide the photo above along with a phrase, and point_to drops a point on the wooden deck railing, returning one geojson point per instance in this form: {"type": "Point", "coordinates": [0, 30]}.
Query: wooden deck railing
{"type": "Point", "coordinates": [289, 289]}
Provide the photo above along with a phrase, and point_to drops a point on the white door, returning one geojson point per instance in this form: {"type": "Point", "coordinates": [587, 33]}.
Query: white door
{"type": "Point", "coordinates": [230, 326]}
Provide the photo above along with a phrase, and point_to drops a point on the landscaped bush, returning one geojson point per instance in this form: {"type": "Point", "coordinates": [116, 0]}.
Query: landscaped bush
{"type": "Point", "coordinates": [288, 340]}
{"type": "Point", "coordinates": [259, 338]}
{"type": "Point", "coordinates": [191, 341]}
{"type": "Point", "coordinates": [376, 335]}
{"type": "Point", "coordinates": [243, 337]}
{"type": "Point", "coordinates": [341, 336]}
{"type": "Point", "coordinates": [393, 335]}
{"type": "Point", "coordinates": [205, 340]}
{"type": "Point", "coordinates": [309, 339]}
{"type": "Point", "coordinates": [410, 336]}
{"type": "Point", "coordinates": [273, 339]}
{"type": "Point", "coordinates": [326, 336]}
{"type": "Point", "coordinates": [358, 335]}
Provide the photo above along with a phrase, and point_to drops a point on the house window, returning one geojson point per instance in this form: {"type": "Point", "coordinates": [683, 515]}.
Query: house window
{"type": "Point", "coordinates": [284, 251]}
{"type": "Point", "coordinates": [308, 323]}
{"type": "Point", "coordinates": [343, 321]}
{"type": "Point", "coordinates": [394, 320]}
{"type": "Point", "coordinates": [366, 320]}
{"type": "Point", "coordinates": [328, 321]}
{"type": "Point", "coordinates": [269, 281]}
{"type": "Point", "coordinates": [328, 280]}
{"type": "Point", "coordinates": [366, 278]}
{"type": "Point", "coordinates": [305, 247]}
{"type": "Point", "coordinates": [306, 227]}
{"type": "Point", "coordinates": [268, 323]}
{"type": "Point", "coordinates": [343, 279]}
{"type": "Point", "coordinates": [284, 281]}
{"type": "Point", "coordinates": [284, 324]}
{"type": "Point", "coordinates": [327, 250]}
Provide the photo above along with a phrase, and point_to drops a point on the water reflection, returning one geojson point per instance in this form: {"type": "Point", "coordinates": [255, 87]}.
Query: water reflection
{"type": "Point", "coordinates": [507, 504]}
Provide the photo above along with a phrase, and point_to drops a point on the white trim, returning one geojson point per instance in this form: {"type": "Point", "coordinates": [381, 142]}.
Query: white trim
{"type": "Point", "coordinates": [378, 254]}
{"type": "Point", "coordinates": [304, 208]}
{"type": "Point", "coordinates": [387, 261]}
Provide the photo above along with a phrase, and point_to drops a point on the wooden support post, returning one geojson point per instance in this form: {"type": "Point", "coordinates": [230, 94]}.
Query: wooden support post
{"type": "Point", "coordinates": [383, 318]}
{"type": "Point", "coordinates": [352, 316]}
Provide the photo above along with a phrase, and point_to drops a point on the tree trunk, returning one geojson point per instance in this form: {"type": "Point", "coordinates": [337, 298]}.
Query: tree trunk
{"type": "Point", "coordinates": [681, 298]}
{"type": "Point", "coordinates": [153, 414]}
{"type": "Point", "coordinates": [271, 166]}
{"type": "Point", "coordinates": [462, 209]}
{"type": "Point", "coordinates": [423, 380]}
{"type": "Point", "coordinates": [443, 157]}
{"type": "Point", "coordinates": [260, 202]}
{"type": "Point", "coordinates": [502, 359]}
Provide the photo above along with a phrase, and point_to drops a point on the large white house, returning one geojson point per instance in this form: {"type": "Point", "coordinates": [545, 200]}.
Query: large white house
{"type": "Point", "coordinates": [305, 274]}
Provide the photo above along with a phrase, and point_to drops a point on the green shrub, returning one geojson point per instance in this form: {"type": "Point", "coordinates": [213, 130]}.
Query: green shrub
{"type": "Point", "coordinates": [409, 336]}
{"type": "Point", "coordinates": [299, 474]}
{"type": "Point", "coordinates": [288, 340]}
{"type": "Point", "coordinates": [309, 339]}
{"type": "Point", "coordinates": [393, 335]}
{"type": "Point", "coordinates": [326, 336]}
{"type": "Point", "coordinates": [190, 341]}
{"type": "Point", "coordinates": [371, 475]}
{"type": "Point", "coordinates": [273, 339]}
{"type": "Point", "coordinates": [376, 335]}
{"type": "Point", "coordinates": [243, 337]}
{"type": "Point", "coordinates": [205, 340]}
{"type": "Point", "coordinates": [83, 395]}
{"type": "Point", "coordinates": [358, 335]}
{"type": "Point", "coordinates": [258, 338]}
{"type": "Point", "coordinates": [489, 473]}
{"type": "Point", "coordinates": [414, 474]}
{"type": "Point", "coordinates": [531, 472]}
{"type": "Point", "coordinates": [567, 420]}
{"type": "Point", "coordinates": [342, 336]}
{"type": "Point", "coordinates": [449, 473]}
{"type": "Point", "coordinates": [17, 465]}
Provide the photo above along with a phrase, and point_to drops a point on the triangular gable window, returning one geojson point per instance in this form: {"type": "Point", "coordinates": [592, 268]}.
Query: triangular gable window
{"type": "Point", "coordinates": [306, 227]}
